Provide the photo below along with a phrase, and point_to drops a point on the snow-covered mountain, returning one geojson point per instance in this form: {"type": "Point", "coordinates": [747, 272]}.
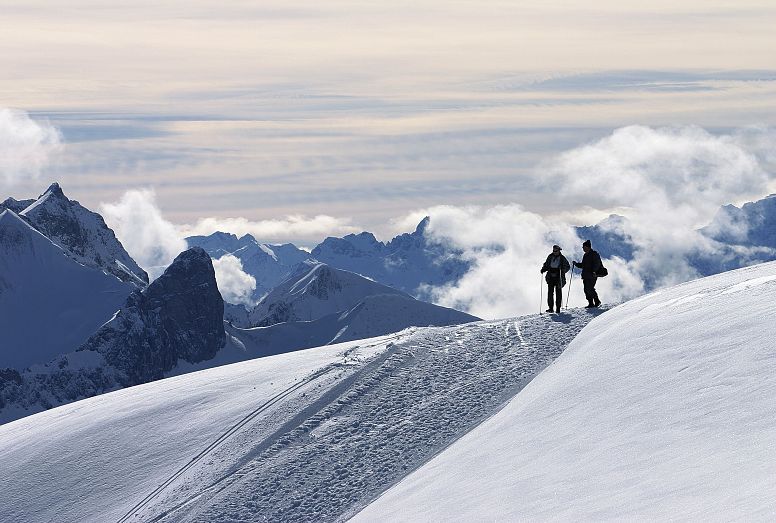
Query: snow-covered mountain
{"type": "Point", "coordinates": [49, 303]}
{"type": "Point", "coordinates": [752, 225]}
{"type": "Point", "coordinates": [661, 409]}
{"type": "Point", "coordinates": [314, 290]}
{"type": "Point", "coordinates": [83, 234]}
{"type": "Point", "coordinates": [735, 238]}
{"type": "Point", "coordinates": [268, 264]}
{"type": "Point", "coordinates": [178, 318]}
{"type": "Point", "coordinates": [408, 262]}
{"type": "Point", "coordinates": [310, 435]}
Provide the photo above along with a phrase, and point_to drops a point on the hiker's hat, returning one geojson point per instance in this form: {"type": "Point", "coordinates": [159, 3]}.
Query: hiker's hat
{"type": "Point", "coordinates": [556, 247]}
{"type": "Point", "coordinates": [586, 242]}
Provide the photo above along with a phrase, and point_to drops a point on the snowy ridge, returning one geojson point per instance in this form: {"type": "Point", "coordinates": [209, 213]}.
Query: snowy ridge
{"type": "Point", "coordinates": [310, 435]}
{"type": "Point", "coordinates": [662, 409]}
{"type": "Point", "coordinates": [49, 303]}
{"type": "Point", "coordinates": [83, 234]}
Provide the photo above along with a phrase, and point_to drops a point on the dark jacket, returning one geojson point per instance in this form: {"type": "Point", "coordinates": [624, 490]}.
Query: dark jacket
{"type": "Point", "coordinates": [590, 264]}
{"type": "Point", "coordinates": [552, 274]}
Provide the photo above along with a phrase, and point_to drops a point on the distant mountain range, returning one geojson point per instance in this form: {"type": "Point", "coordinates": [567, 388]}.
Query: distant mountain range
{"type": "Point", "coordinates": [107, 328]}
{"type": "Point", "coordinates": [410, 263]}
{"type": "Point", "coordinates": [78, 316]}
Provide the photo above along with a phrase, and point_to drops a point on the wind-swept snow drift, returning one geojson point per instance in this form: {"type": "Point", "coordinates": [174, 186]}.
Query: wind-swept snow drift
{"type": "Point", "coordinates": [663, 408]}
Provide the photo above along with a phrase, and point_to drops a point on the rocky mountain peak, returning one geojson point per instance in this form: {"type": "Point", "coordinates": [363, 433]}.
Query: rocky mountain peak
{"type": "Point", "coordinates": [83, 234]}
{"type": "Point", "coordinates": [178, 317]}
{"type": "Point", "coordinates": [422, 226]}
{"type": "Point", "coordinates": [56, 191]}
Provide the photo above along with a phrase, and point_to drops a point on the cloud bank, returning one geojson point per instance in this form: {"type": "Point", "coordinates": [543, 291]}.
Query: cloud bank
{"type": "Point", "coordinates": [151, 240]}
{"type": "Point", "coordinates": [235, 284]}
{"type": "Point", "coordinates": [667, 181]}
{"type": "Point", "coordinates": [26, 146]}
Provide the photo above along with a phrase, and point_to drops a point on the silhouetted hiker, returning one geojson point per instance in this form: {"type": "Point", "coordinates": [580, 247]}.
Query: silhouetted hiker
{"type": "Point", "coordinates": [590, 265]}
{"type": "Point", "coordinates": [556, 266]}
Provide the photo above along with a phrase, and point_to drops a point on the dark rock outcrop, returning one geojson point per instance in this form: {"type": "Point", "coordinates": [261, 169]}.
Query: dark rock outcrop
{"type": "Point", "coordinates": [15, 205]}
{"type": "Point", "coordinates": [178, 317]}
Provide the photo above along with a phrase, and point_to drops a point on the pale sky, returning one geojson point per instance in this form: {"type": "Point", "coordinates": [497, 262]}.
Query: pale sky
{"type": "Point", "coordinates": [366, 111]}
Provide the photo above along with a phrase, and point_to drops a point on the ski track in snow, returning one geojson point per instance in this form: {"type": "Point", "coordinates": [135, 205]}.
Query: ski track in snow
{"type": "Point", "coordinates": [325, 447]}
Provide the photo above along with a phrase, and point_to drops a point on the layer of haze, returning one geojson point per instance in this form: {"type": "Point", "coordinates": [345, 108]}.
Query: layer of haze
{"type": "Point", "coordinates": [364, 111]}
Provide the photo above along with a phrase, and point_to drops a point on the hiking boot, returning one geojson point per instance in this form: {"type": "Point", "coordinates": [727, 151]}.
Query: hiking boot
{"type": "Point", "coordinates": [590, 306]}
{"type": "Point", "coordinates": [597, 302]}
{"type": "Point", "coordinates": [557, 311]}
{"type": "Point", "coordinates": [548, 310]}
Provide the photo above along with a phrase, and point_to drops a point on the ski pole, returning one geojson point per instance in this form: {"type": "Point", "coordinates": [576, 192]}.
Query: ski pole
{"type": "Point", "coordinates": [568, 293]}
{"type": "Point", "coordinates": [541, 293]}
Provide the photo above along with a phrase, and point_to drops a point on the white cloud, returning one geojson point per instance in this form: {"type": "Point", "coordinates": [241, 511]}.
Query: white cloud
{"type": "Point", "coordinates": [507, 246]}
{"type": "Point", "coordinates": [671, 181]}
{"type": "Point", "coordinates": [138, 223]}
{"type": "Point", "coordinates": [294, 228]}
{"type": "Point", "coordinates": [235, 284]}
{"type": "Point", "coordinates": [684, 169]}
{"type": "Point", "coordinates": [668, 181]}
{"type": "Point", "coordinates": [25, 145]}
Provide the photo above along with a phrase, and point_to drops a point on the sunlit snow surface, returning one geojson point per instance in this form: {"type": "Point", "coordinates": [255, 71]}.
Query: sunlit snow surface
{"type": "Point", "coordinates": [663, 408]}
{"type": "Point", "coordinates": [311, 435]}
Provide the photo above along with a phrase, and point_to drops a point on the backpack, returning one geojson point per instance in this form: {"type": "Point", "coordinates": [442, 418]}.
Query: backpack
{"type": "Point", "coordinates": [602, 271]}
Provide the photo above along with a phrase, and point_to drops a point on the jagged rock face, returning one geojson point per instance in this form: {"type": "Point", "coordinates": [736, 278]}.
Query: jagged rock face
{"type": "Point", "coordinates": [178, 317]}
{"type": "Point", "coordinates": [16, 206]}
{"type": "Point", "coordinates": [83, 234]}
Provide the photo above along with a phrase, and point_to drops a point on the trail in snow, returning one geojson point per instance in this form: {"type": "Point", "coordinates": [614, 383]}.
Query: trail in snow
{"type": "Point", "coordinates": [338, 439]}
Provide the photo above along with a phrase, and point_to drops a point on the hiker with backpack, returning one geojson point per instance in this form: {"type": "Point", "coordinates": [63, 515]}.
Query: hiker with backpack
{"type": "Point", "coordinates": [556, 266]}
{"type": "Point", "coordinates": [592, 268]}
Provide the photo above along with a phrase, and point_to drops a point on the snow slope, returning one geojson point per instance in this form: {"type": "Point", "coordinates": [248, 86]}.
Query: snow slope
{"type": "Point", "coordinates": [662, 409]}
{"type": "Point", "coordinates": [49, 303]}
{"type": "Point", "coordinates": [310, 435]}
